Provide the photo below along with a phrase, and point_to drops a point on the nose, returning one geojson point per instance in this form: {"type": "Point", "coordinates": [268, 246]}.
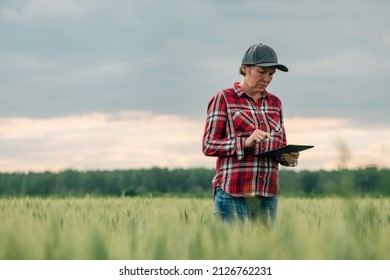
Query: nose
{"type": "Point", "coordinates": [267, 78]}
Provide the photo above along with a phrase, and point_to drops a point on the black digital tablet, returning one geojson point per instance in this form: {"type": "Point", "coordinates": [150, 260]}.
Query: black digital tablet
{"type": "Point", "coordinates": [285, 150]}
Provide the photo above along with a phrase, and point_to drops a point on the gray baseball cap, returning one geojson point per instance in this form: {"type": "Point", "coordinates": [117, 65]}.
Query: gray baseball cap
{"type": "Point", "coordinates": [262, 55]}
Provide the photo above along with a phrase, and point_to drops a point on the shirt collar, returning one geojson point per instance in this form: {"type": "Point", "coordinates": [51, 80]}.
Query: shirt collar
{"type": "Point", "coordinates": [240, 92]}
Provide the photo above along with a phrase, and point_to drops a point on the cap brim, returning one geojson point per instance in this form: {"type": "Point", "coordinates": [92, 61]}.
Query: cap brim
{"type": "Point", "coordinates": [281, 67]}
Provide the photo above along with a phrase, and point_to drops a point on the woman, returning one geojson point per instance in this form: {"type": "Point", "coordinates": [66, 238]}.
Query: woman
{"type": "Point", "coordinates": [242, 122]}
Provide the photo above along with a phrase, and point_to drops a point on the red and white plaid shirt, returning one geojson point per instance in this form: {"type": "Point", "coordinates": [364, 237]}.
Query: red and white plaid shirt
{"type": "Point", "coordinates": [232, 116]}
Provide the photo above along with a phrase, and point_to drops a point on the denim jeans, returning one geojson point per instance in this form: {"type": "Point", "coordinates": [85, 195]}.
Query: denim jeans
{"type": "Point", "coordinates": [229, 208]}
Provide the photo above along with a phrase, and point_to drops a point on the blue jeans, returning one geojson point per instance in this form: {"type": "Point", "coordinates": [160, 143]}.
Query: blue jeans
{"type": "Point", "coordinates": [228, 208]}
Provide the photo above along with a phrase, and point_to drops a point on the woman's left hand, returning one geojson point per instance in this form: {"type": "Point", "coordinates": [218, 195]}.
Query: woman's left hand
{"type": "Point", "coordinates": [290, 158]}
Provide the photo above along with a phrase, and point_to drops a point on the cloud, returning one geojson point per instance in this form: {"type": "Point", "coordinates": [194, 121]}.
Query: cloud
{"type": "Point", "coordinates": [26, 64]}
{"type": "Point", "coordinates": [365, 145]}
{"type": "Point", "coordinates": [43, 10]}
{"type": "Point", "coordinates": [105, 141]}
{"type": "Point", "coordinates": [69, 61]}
{"type": "Point", "coordinates": [136, 139]}
{"type": "Point", "coordinates": [99, 56]}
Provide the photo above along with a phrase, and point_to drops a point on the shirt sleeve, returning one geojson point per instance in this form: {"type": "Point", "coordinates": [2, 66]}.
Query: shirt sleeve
{"type": "Point", "coordinates": [280, 160]}
{"type": "Point", "coordinates": [217, 141]}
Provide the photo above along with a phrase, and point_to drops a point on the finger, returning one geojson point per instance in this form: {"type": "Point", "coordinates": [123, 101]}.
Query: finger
{"type": "Point", "coordinates": [295, 155]}
{"type": "Point", "coordinates": [267, 135]}
{"type": "Point", "coordinates": [263, 135]}
{"type": "Point", "coordinates": [256, 138]}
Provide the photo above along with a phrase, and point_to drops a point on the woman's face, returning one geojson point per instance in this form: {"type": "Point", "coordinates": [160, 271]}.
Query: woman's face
{"type": "Point", "coordinates": [258, 78]}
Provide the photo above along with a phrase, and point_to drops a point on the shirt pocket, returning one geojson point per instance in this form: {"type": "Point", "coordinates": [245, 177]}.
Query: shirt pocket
{"type": "Point", "coordinates": [276, 130]}
{"type": "Point", "coordinates": [243, 122]}
{"type": "Point", "coordinates": [274, 121]}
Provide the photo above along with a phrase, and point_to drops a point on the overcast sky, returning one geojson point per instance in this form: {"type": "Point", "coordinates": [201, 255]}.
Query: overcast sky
{"type": "Point", "coordinates": [79, 77]}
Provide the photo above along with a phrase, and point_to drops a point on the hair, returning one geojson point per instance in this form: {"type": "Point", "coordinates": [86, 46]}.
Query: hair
{"type": "Point", "coordinates": [240, 69]}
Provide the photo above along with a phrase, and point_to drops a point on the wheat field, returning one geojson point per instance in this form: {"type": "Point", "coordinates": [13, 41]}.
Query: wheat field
{"type": "Point", "coordinates": [93, 228]}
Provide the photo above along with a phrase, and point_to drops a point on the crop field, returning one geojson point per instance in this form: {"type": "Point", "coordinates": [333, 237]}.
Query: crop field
{"type": "Point", "coordinates": [186, 229]}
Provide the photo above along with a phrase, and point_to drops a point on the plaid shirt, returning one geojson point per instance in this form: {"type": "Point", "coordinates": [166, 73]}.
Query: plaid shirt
{"type": "Point", "coordinates": [232, 116]}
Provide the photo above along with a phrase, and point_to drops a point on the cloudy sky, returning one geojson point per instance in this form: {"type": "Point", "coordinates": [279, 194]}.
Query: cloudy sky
{"type": "Point", "coordinates": [98, 84]}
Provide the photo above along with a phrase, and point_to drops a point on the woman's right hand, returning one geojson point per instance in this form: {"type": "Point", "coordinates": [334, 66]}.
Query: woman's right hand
{"type": "Point", "coordinates": [256, 137]}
